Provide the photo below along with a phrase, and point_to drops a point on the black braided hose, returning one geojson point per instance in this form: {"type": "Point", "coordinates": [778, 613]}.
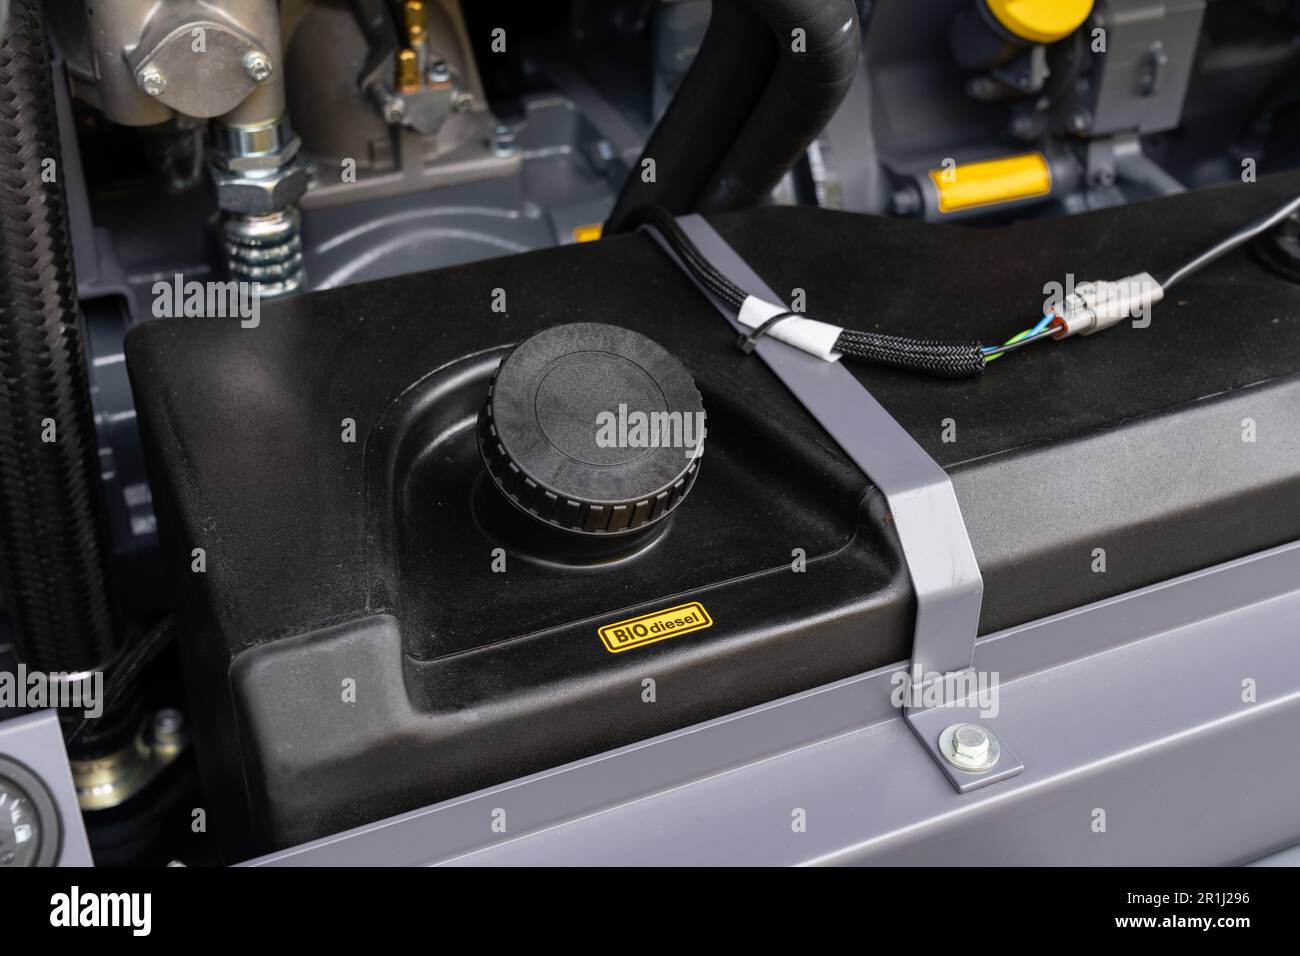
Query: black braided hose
{"type": "Point", "coordinates": [53, 538]}
{"type": "Point", "coordinates": [928, 356]}
{"type": "Point", "coordinates": [931, 356]}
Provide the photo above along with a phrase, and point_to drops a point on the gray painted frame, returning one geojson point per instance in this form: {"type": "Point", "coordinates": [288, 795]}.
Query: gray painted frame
{"type": "Point", "coordinates": [1134, 706]}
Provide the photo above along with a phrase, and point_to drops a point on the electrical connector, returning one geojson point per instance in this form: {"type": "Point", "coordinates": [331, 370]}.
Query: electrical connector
{"type": "Point", "coordinates": [1094, 306]}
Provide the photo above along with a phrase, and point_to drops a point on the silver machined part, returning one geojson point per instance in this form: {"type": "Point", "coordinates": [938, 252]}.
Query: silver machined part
{"type": "Point", "coordinates": [260, 192]}
{"type": "Point", "coordinates": [258, 66]}
{"type": "Point", "coordinates": [265, 249]}
{"type": "Point", "coordinates": [206, 63]}
{"type": "Point", "coordinates": [249, 149]}
{"type": "Point", "coordinates": [970, 747]}
{"type": "Point", "coordinates": [148, 60]}
{"type": "Point", "coordinates": [151, 80]}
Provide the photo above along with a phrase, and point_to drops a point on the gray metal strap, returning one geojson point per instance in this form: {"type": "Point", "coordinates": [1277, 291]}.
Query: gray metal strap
{"type": "Point", "coordinates": [940, 561]}
{"type": "Point", "coordinates": [939, 557]}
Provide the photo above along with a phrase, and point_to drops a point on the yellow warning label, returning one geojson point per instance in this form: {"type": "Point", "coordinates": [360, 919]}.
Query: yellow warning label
{"type": "Point", "coordinates": [588, 233]}
{"type": "Point", "coordinates": [659, 626]}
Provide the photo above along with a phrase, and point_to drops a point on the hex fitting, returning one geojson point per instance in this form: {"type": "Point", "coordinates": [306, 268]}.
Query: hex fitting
{"type": "Point", "coordinates": [259, 177]}
{"type": "Point", "coordinates": [970, 747]}
{"type": "Point", "coordinates": [257, 170]}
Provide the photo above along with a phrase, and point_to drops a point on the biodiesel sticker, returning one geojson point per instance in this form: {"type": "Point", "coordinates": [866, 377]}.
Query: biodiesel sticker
{"type": "Point", "coordinates": [658, 626]}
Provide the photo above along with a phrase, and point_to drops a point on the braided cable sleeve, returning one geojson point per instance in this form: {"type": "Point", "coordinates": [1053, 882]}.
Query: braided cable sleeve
{"type": "Point", "coordinates": [933, 357]}
{"type": "Point", "coordinates": [53, 537]}
{"type": "Point", "coordinates": [929, 356]}
{"type": "Point", "coordinates": [703, 271]}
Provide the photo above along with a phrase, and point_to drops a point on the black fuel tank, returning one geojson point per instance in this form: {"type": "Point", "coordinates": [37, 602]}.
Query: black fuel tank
{"type": "Point", "coordinates": [384, 621]}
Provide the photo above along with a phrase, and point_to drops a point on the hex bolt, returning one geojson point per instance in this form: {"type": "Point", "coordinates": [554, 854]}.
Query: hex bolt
{"type": "Point", "coordinates": [463, 103]}
{"type": "Point", "coordinates": [257, 65]}
{"type": "Point", "coordinates": [971, 742]}
{"type": "Point", "coordinates": [970, 747]}
{"type": "Point", "coordinates": [151, 80]}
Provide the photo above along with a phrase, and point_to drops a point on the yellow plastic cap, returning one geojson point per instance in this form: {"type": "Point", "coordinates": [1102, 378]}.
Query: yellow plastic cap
{"type": "Point", "coordinates": [1041, 21]}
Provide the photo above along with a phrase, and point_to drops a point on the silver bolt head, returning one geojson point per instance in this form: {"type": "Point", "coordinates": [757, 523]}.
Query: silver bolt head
{"type": "Point", "coordinates": [971, 741]}
{"type": "Point", "coordinates": [438, 72]}
{"type": "Point", "coordinates": [970, 747]}
{"type": "Point", "coordinates": [258, 66]}
{"type": "Point", "coordinates": [464, 102]}
{"type": "Point", "coordinates": [395, 110]}
{"type": "Point", "coordinates": [151, 80]}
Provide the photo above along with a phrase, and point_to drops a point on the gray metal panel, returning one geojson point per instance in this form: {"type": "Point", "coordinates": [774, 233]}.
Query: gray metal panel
{"type": "Point", "coordinates": [1132, 706]}
{"type": "Point", "coordinates": [36, 741]}
{"type": "Point", "coordinates": [1135, 31]}
{"type": "Point", "coordinates": [1288, 857]}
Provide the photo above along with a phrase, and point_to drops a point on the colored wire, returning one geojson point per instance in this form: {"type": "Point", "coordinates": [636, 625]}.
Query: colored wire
{"type": "Point", "coordinates": [992, 353]}
{"type": "Point", "coordinates": [1028, 337]}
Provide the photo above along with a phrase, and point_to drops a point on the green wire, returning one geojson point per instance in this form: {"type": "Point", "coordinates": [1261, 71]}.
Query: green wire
{"type": "Point", "coordinates": [1011, 341]}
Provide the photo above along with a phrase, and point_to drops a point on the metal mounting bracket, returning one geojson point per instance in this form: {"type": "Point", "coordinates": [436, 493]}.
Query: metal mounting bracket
{"type": "Point", "coordinates": [940, 561]}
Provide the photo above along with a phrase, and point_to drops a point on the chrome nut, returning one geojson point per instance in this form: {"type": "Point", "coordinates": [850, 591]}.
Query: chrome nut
{"type": "Point", "coordinates": [260, 192]}
{"type": "Point", "coordinates": [272, 159]}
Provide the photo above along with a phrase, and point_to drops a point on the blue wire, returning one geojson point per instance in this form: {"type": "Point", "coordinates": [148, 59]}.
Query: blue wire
{"type": "Point", "coordinates": [1042, 325]}
{"type": "Point", "coordinates": [1047, 320]}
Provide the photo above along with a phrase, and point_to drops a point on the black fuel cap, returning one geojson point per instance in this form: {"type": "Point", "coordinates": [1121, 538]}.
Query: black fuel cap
{"type": "Point", "coordinates": [592, 428]}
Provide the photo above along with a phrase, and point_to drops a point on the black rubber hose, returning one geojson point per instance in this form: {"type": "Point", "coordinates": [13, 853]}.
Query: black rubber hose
{"type": "Point", "coordinates": [708, 110]}
{"type": "Point", "coordinates": [814, 71]}
{"type": "Point", "coordinates": [53, 537]}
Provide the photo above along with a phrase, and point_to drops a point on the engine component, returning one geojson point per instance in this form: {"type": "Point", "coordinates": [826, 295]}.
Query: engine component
{"type": "Point", "coordinates": [1006, 38]}
{"type": "Point", "coordinates": [222, 62]}
{"type": "Point", "coordinates": [110, 779]}
{"type": "Point", "coordinates": [1141, 76]}
{"type": "Point", "coordinates": [404, 110]}
{"type": "Point", "coordinates": [423, 89]}
{"type": "Point", "coordinates": [593, 429]}
{"type": "Point", "coordinates": [190, 57]}
{"type": "Point", "coordinates": [259, 178]}
{"type": "Point", "coordinates": [53, 534]}
{"type": "Point", "coordinates": [258, 173]}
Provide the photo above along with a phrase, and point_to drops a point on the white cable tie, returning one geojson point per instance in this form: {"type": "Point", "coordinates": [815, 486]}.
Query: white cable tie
{"type": "Point", "coordinates": [817, 338]}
